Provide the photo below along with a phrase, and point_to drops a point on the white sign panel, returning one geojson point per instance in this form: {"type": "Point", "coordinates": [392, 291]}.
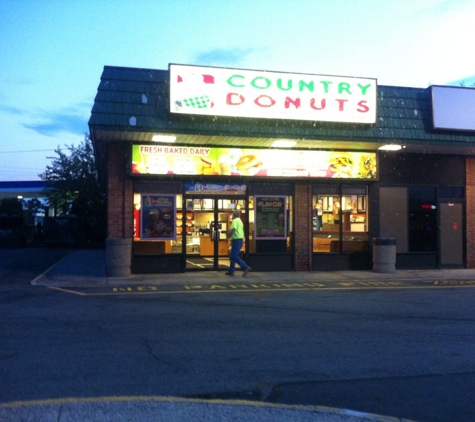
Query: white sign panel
{"type": "Point", "coordinates": [453, 107]}
{"type": "Point", "coordinates": [215, 91]}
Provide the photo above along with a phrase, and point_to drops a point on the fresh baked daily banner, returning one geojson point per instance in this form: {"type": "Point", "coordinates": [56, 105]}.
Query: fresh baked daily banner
{"type": "Point", "coordinates": [181, 160]}
{"type": "Point", "coordinates": [216, 91]}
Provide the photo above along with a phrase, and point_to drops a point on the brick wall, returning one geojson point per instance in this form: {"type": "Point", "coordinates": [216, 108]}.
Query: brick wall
{"type": "Point", "coordinates": [470, 210]}
{"type": "Point", "coordinates": [120, 199]}
{"type": "Point", "coordinates": [303, 227]}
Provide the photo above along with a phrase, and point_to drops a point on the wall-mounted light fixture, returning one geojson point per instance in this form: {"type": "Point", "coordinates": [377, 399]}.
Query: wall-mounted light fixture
{"type": "Point", "coordinates": [390, 147]}
{"type": "Point", "coordinates": [163, 138]}
{"type": "Point", "coordinates": [283, 143]}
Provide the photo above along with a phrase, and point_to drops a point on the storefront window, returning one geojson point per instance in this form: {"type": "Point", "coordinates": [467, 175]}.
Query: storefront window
{"type": "Point", "coordinates": [270, 224]}
{"type": "Point", "coordinates": [340, 219]}
{"type": "Point", "coordinates": [158, 223]}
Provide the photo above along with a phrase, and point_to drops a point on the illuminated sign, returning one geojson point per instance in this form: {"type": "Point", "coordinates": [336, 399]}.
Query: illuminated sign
{"type": "Point", "coordinates": [270, 218]}
{"type": "Point", "coordinates": [158, 216]}
{"type": "Point", "coordinates": [215, 91]}
{"type": "Point", "coordinates": [453, 107]}
{"type": "Point", "coordinates": [195, 160]}
{"type": "Point", "coordinates": [201, 188]}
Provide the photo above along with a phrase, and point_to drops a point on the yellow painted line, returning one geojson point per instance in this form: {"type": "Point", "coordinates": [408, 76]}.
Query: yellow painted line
{"type": "Point", "coordinates": [269, 287]}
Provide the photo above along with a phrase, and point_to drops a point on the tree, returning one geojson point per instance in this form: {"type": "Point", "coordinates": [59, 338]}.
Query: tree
{"type": "Point", "coordinates": [32, 207]}
{"type": "Point", "coordinates": [75, 188]}
{"type": "Point", "coordinates": [11, 207]}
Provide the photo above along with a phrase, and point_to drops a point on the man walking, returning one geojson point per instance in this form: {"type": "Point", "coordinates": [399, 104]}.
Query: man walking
{"type": "Point", "coordinates": [236, 236]}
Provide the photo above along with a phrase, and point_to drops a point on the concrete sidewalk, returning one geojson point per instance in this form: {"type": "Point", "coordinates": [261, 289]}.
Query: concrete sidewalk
{"type": "Point", "coordinates": [87, 268]}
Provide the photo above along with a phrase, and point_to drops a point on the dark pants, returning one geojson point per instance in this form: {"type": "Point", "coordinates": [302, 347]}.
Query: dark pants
{"type": "Point", "coordinates": [235, 256]}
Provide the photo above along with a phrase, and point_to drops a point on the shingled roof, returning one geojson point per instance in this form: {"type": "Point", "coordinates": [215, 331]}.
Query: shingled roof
{"type": "Point", "coordinates": [132, 104]}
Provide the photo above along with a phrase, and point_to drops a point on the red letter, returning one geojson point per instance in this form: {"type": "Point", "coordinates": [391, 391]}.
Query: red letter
{"type": "Point", "coordinates": [229, 99]}
{"type": "Point", "coordinates": [323, 104]}
{"type": "Point", "coordinates": [295, 102]}
{"type": "Point", "coordinates": [341, 104]}
{"type": "Point", "coordinates": [257, 101]}
{"type": "Point", "coordinates": [364, 108]}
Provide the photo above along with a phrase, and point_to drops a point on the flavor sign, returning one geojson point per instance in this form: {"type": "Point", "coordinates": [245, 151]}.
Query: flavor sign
{"type": "Point", "coordinates": [215, 91]}
{"type": "Point", "coordinates": [270, 217]}
{"type": "Point", "coordinates": [158, 159]}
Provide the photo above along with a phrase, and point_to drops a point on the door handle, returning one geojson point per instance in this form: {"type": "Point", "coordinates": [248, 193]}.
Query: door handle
{"type": "Point", "coordinates": [215, 230]}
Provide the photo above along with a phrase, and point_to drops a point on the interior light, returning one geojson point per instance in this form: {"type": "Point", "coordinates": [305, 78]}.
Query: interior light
{"type": "Point", "coordinates": [283, 143]}
{"type": "Point", "coordinates": [390, 147]}
{"type": "Point", "coordinates": [163, 138]}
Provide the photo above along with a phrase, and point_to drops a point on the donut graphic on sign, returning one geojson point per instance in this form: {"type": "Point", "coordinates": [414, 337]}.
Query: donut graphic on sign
{"type": "Point", "coordinates": [195, 91]}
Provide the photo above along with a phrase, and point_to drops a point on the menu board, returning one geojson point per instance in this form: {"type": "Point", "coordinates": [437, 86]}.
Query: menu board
{"type": "Point", "coordinates": [186, 160]}
{"type": "Point", "coordinates": [270, 217]}
{"type": "Point", "coordinates": [158, 217]}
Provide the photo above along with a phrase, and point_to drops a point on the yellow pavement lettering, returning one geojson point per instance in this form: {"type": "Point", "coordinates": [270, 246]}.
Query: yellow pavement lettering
{"type": "Point", "coordinates": [129, 289]}
{"type": "Point", "coordinates": [290, 285]}
{"type": "Point", "coordinates": [265, 287]}
{"type": "Point", "coordinates": [454, 283]}
{"type": "Point", "coordinates": [373, 283]}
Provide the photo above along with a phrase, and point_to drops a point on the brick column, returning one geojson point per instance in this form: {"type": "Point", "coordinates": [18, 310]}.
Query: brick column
{"type": "Point", "coordinates": [120, 198]}
{"type": "Point", "coordinates": [303, 227]}
{"type": "Point", "coordinates": [120, 202]}
{"type": "Point", "coordinates": [470, 210]}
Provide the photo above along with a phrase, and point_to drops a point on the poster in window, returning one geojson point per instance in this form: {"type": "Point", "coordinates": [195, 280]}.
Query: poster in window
{"type": "Point", "coordinates": [270, 217]}
{"type": "Point", "coordinates": [361, 203]}
{"type": "Point", "coordinates": [158, 217]}
{"type": "Point", "coordinates": [324, 200]}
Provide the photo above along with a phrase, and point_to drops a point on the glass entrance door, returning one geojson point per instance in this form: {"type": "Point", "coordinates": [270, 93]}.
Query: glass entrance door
{"type": "Point", "coordinates": [207, 221]}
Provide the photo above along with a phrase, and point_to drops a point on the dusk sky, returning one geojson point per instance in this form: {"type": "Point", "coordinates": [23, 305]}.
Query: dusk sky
{"type": "Point", "coordinates": [52, 52]}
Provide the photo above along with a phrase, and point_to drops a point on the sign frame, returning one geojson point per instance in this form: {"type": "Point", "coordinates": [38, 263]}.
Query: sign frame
{"type": "Point", "coordinates": [157, 216]}
{"type": "Point", "coordinates": [215, 188]}
{"type": "Point", "coordinates": [218, 91]}
{"type": "Point", "coordinates": [190, 161]}
{"type": "Point", "coordinates": [270, 217]}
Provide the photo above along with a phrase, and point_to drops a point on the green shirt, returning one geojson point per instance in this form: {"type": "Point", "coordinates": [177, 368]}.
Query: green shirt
{"type": "Point", "coordinates": [238, 227]}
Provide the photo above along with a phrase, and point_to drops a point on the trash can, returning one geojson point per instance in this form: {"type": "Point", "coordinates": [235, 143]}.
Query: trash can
{"type": "Point", "coordinates": [384, 255]}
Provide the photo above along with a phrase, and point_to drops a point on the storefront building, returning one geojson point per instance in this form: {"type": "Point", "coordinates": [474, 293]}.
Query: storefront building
{"type": "Point", "coordinates": [300, 155]}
